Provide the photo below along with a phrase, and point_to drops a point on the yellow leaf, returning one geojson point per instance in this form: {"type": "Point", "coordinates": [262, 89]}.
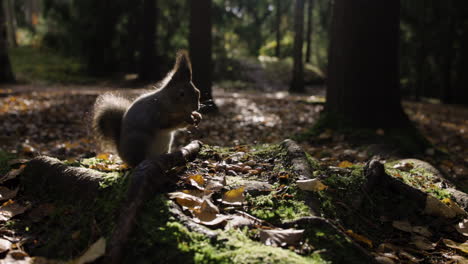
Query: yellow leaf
{"type": "Point", "coordinates": [460, 246]}
{"type": "Point", "coordinates": [103, 156]}
{"type": "Point", "coordinates": [198, 178]}
{"type": "Point", "coordinates": [359, 238]}
{"type": "Point", "coordinates": [186, 200]}
{"type": "Point", "coordinates": [345, 164]}
{"type": "Point", "coordinates": [234, 196]}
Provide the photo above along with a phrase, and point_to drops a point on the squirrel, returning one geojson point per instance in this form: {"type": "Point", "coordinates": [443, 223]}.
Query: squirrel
{"type": "Point", "coordinates": [144, 128]}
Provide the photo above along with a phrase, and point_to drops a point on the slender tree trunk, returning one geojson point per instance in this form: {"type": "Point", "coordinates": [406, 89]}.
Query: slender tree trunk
{"type": "Point", "coordinates": [200, 47]}
{"type": "Point", "coordinates": [363, 83]}
{"type": "Point", "coordinates": [6, 75]}
{"type": "Point", "coordinates": [297, 83]}
{"type": "Point", "coordinates": [11, 22]}
{"type": "Point", "coordinates": [310, 7]}
{"type": "Point", "coordinates": [278, 29]}
{"type": "Point", "coordinates": [149, 69]}
{"type": "Point", "coordinates": [422, 54]}
{"type": "Point", "coordinates": [447, 59]}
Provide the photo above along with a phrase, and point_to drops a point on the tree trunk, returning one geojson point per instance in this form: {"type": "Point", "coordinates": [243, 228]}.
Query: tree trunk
{"type": "Point", "coordinates": [363, 84]}
{"type": "Point", "coordinates": [278, 29]}
{"type": "Point", "coordinates": [297, 83]}
{"type": "Point", "coordinates": [6, 75]}
{"type": "Point", "coordinates": [310, 7]}
{"type": "Point", "coordinates": [10, 21]}
{"type": "Point", "coordinates": [149, 69]}
{"type": "Point", "coordinates": [200, 47]}
{"type": "Point", "coordinates": [421, 55]}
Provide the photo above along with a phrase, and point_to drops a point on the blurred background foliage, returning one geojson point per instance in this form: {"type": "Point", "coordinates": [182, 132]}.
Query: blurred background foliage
{"type": "Point", "coordinates": [102, 39]}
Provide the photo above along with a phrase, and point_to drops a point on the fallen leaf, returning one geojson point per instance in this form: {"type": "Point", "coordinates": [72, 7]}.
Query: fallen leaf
{"type": "Point", "coordinates": [103, 156]}
{"type": "Point", "coordinates": [95, 251]}
{"type": "Point", "coordinates": [422, 243]}
{"type": "Point", "coordinates": [437, 208]}
{"type": "Point", "coordinates": [196, 179]}
{"type": "Point", "coordinates": [422, 230]}
{"type": "Point", "coordinates": [462, 227]}
{"type": "Point", "coordinates": [4, 245]}
{"type": "Point", "coordinates": [359, 238]}
{"type": "Point", "coordinates": [458, 259]}
{"type": "Point", "coordinates": [460, 246]}
{"type": "Point", "coordinates": [406, 166]}
{"type": "Point", "coordinates": [186, 200]}
{"type": "Point", "coordinates": [238, 221]}
{"type": "Point", "coordinates": [384, 260]}
{"type": "Point", "coordinates": [10, 209]}
{"type": "Point", "coordinates": [345, 164]}
{"type": "Point", "coordinates": [403, 226]}
{"type": "Point", "coordinates": [206, 212]}
{"type": "Point", "coordinates": [314, 185]}
{"type": "Point", "coordinates": [7, 194]}
{"type": "Point", "coordinates": [280, 237]}
{"type": "Point", "coordinates": [234, 196]}
{"type": "Point", "coordinates": [454, 206]}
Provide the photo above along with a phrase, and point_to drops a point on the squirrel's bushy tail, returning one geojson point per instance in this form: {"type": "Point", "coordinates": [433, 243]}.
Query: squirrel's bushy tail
{"type": "Point", "coordinates": [107, 118]}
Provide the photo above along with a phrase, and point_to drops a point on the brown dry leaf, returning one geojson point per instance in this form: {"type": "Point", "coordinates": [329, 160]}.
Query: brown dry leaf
{"type": "Point", "coordinates": [422, 230]}
{"type": "Point", "coordinates": [280, 237]}
{"type": "Point", "coordinates": [235, 196]}
{"type": "Point", "coordinates": [437, 208]}
{"type": "Point", "coordinates": [207, 211]}
{"type": "Point", "coordinates": [218, 219]}
{"type": "Point", "coordinates": [406, 166]}
{"type": "Point", "coordinates": [422, 243]}
{"type": "Point", "coordinates": [345, 164]}
{"type": "Point", "coordinates": [454, 206]}
{"type": "Point", "coordinates": [186, 200]}
{"type": "Point", "coordinates": [409, 257]}
{"type": "Point", "coordinates": [10, 209]}
{"type": "Point", "coordinates": [4, 245]}
{"type": "Point", "coordinates": [460, 246]}
{"type": "Point", "coordinates": [198, 193]}
{"type": "Point", "coordinates": [403, 226]}
{"type": "Point", "coordinates": [359, 238]}
{"type": "Point", "coordinates": [313, 185]}
{"type": "Point", "coordinates": [7, 194]}
{"type": "Point", "coordinates": [456, 258]}
{"type": "Point", "coordinates": [95, 251]}
{"type": "Point", "coordinates": [462, 227]}
{"type": "Point", "coordinates": [12, 174]}
{"type": "Point", "coordinates": [384, 260]}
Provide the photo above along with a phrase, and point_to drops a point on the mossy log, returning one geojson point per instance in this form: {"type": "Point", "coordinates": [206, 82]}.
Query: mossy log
{"type": "Point", "coordinates": [49, 175]}
{"type": "Point", "coordinates": [148, 177]}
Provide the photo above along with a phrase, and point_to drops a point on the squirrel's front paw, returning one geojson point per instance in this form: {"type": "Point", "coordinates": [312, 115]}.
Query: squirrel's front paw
{"type": "Point", "coordinates": [196, 118]}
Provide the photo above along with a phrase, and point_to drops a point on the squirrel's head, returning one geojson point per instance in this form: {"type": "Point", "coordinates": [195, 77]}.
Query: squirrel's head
{"type": "Point", "coordinates": [183, 92]}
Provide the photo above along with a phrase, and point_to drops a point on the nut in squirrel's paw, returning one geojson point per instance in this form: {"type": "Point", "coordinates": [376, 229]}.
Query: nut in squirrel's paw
{"type": "Point", "coordinates": [195, 118]}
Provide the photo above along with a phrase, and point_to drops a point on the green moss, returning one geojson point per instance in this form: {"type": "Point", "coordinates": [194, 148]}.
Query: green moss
{"type": "Point", "coordinates": [275, 208]}
{"type": "Point", "coordinates": [34, 64]}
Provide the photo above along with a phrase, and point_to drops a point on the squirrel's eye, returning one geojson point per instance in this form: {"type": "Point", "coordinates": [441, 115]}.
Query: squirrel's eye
{"type": "Point", "coordinates": [181, 93]}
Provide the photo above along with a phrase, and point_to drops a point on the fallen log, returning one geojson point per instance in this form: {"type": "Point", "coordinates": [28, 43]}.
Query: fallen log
{"type": "Point", "coordinates": [147, 178]}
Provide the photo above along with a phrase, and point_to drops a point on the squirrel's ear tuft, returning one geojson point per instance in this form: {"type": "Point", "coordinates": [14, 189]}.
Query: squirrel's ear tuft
{"type": "Point", "coordinates": [182, 68]}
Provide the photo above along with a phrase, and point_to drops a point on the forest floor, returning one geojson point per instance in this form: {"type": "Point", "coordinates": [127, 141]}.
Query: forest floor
{"type": "Point", "coordinates": [55, 121]}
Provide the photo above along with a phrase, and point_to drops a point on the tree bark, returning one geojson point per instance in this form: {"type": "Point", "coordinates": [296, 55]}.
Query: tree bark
{"type": "Point", "coordinates": [363, 83]}
{"type": "Point", "coordinates": [200, 47]}
{"type": "Point", "coordinates": [278, 29]}
{"type": "Point", "coordinates": [297, 82]}
{"type": "Point", "coordinates": [11, 22]}
{"type": "Point", "coordinates": [310, 7]}
{"type": "Point", "coordinates": [149, 68]}
{"type": "Point", "coordinates": [6, 75]}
